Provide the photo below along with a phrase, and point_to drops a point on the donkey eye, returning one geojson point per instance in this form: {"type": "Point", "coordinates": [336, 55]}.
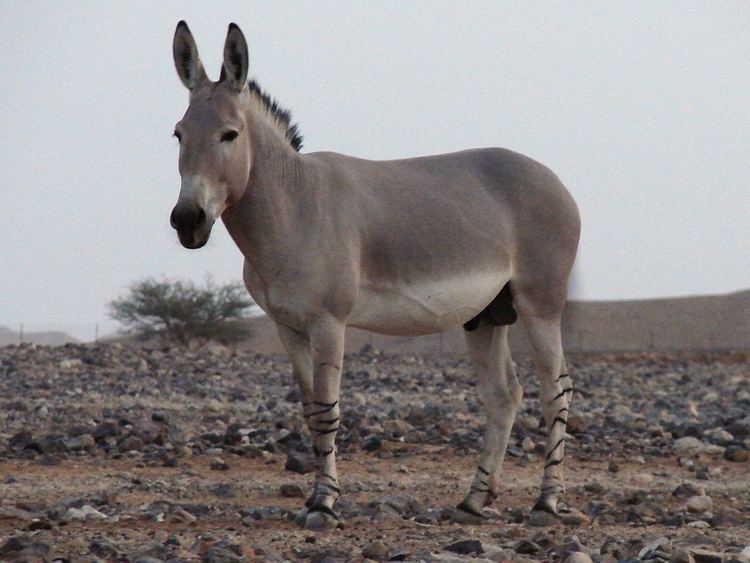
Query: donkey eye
{"type": "Point", "coordinates": [229, 136]}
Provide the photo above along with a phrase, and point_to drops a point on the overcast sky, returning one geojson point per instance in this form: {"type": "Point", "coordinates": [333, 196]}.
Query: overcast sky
{"type": "Point", "coordinates": [642, 109]}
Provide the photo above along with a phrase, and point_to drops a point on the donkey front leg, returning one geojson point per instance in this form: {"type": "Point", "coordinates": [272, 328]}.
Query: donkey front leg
{"type": "Point", "coordinates": [327, 351]}
{"type": "Point", "coordinates": [297, 346]}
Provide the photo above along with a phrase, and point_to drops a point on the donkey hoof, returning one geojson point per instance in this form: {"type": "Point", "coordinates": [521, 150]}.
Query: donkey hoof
{"type": "Point", "coordinates": [301, 516]}
{"type": "Point", "coordinates": [543, 519]}
{"type": "Point", "coordinates": [465, 514]}
{"type": "Point", "coordinates": [459, 516]}
{"type": "Point", "coordinates": [321, 518]}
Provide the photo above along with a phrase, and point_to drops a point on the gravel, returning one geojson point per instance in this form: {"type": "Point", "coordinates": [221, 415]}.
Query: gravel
{"type": "Point", "coordinates": [102, 446]}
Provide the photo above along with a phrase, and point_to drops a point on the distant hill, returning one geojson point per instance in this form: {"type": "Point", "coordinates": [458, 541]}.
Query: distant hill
{"type": "Point", "coordinates": [48, 338]}
{"type": "Point", "coordinates": [701, 323]}
{"type": "Point", "coordinates": [715, 322]}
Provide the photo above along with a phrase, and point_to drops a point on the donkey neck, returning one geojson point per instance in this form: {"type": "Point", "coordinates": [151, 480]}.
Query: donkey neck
{"type": "Point", "coordinates": [268, 214]}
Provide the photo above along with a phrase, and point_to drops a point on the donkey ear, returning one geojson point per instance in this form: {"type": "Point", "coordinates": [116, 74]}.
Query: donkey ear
{"type": "Point", "coordinates": [234, 70]}
{"type": "Point", "coordinates": [186, 60]}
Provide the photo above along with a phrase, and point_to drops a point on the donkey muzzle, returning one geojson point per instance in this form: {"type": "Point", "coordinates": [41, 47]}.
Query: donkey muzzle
{"type": "Point", "coordinates": [190, 222]}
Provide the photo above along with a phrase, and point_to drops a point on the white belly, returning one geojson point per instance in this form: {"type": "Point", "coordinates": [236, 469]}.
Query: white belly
{"type": "Point", "coordinates": [425, 308]}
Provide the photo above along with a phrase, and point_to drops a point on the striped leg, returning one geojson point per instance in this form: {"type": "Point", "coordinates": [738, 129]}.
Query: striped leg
{"type": "Point", "coordinates": [555, 389]}
{"type": "Point", "coordinates": [502, 394]}
{"type": "Point", "coordinates": [297, 346]}
{"type": "Point", "coordinates": [323, 415]}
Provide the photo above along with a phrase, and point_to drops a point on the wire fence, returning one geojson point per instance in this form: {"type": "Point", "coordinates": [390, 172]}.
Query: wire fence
{"type": "Point", "coordinates": [56, 333]}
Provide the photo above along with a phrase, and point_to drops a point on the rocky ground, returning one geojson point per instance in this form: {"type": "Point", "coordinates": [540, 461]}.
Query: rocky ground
{"type": "Point", "coordinates": [125, 453]}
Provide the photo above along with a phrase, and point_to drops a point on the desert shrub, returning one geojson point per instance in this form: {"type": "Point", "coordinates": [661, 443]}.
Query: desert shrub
{"type": "Point", "coordinates": [182, 311]}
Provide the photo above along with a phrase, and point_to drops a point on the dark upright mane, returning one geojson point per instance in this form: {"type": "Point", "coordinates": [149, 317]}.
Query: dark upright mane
{"type": "Point", "coordinates": [283, 117]}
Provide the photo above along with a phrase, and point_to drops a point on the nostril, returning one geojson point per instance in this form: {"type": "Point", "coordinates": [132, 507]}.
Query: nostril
{"type": "Point", "coordinates": [187, 217]}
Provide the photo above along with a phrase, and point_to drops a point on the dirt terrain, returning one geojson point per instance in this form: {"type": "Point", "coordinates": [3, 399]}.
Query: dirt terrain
{"type": "Point", "coordinates": [129, 453]}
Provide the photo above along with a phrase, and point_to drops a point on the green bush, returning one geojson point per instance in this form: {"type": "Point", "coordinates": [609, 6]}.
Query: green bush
{"type": "Point", "coordinates": [183, 312]}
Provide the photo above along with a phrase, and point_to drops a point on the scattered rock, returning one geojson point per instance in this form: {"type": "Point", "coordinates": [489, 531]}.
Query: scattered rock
{"type": "Point", "coordinates": [219, 464]}
{"type": "Point", "coordinates": [542, 519]}
{"type": "Point", "coordinates": [105, 547]}
{"type": "Point", "coordinates": [701, 503]}
{"type": "Point", "coordinates": [736, 453]}
{"type": "Point", "coordinates": [594, 487]}
{"type": "Point", "coordinates": [86, 512]}
{"type": "Point", "coordinates": [528, 445]}
{"type": "Point", "coordinates": [689, 445]}
{"type": "Point", "coordinates": [707, 556]}
{"type": "Point", "coordinates": [24, 548]}
{"type": "Point", "coordinates": [578, 557]}
{"type": "Point", "coordinates": [299, 464]}
{"type": "Point", "coordinates": [573, 517]}
{"type": "Point", "coordinates": [527, 547]}
{"type": "Point", "coordinates": [224, 552]}
{"type": "Point", "coordinates": [643, 479]}
{"type": "Point", "coordinates": [70, 363]}
{"type": "Point", "coordinates": [181, 516]}
{"type": "Point", "coordinates": [681, 556]}
{"type": "Point", "coordinates": [376, 550]}
{"type": "Point", "coordinates": [659, 548]}
{"type": "Point", "coordinates": [291, 490]}
{"type": "Point", "coordinates": [466, 547]}
{"type": "Point", "coordinates": [131, 443]}
{"type": "Point", "coordinates": [397, 428]}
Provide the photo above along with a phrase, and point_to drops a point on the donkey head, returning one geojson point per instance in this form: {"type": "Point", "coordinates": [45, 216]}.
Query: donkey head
{"type": "Point", "coordinates": [215, 155]}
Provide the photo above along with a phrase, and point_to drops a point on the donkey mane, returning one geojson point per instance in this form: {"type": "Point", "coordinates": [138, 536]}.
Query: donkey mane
{"type": "Point", "coordinates": [282, 117]}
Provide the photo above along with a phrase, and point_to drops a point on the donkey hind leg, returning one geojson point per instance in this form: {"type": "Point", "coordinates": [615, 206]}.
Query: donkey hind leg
{"type": "Point", "coordinates": [297, 346]}
{"type": "Point", "coordinates": [555, 390]}
{"type": "Point", "coordinates": [502, 394]}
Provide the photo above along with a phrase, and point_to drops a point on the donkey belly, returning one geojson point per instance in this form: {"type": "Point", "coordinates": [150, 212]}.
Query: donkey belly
{"type": "Point", "coordinates": [426, 307]}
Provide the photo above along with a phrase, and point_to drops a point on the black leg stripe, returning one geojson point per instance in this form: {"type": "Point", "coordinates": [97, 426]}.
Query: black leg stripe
{"type": "Point", "coordinates": [324, 474]}
{"type": "Point", "coordinates": [329, 405]}
{"type": "Point", "coordinates": [317, 413]}
{"type": "Point", "coordinates": [479, 489]}
{"type": "Point", "coordinates": [332, 487]}
{"type": "Point", "coordinates": [329, 421]}
{"type": "Point", "coordinates": [549, 453]}
{"type": "Point", "coordinates": [483, 470]}
{"type": "Point", "coordinates": [553, 462]}
{"type": "Point", "coordinates": [564, 375]}
{"type": "Point", "coordinates": [562, 410]}
{"type": "Point", "coordinates": [324, 432]}
{"type": "Point", "coordinates": [558, 419]}
{"type": "Point", "coordinates": [561, 393]}
{"type": "Point", "coordinates": [319, 453]}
